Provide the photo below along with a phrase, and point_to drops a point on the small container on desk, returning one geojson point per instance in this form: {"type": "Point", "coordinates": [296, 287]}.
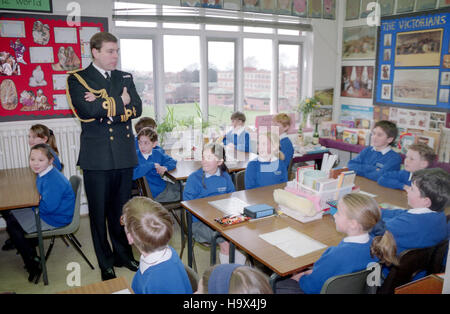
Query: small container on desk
{"type": "Point", "coordinates": [319, 198]}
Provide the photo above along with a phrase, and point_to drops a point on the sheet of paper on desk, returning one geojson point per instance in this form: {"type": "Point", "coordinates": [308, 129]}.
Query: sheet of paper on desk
{"type": "Point", "coordinates": [230, 206]}
{"type": "Point", "coordinates": [292, 242]}
{"type": "Point", "coordinates": [123, 291]}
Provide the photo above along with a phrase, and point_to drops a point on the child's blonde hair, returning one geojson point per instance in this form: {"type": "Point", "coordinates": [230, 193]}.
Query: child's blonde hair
{"type": "Point", "coordinates": [274, 139]}
{"type": "Point", "coordinates": [42, 131]}
{"type": "Point", "coordinates": [365, 210]}
{"type": "Point", "coordinates": [243, 280]}
{"type": "Point", "coordinates": [425, 152]}
{"type": "Point", "coordinates": [148, 223]}
{"type": "Point", "coordinates": [237, 115]}
{"type": "Point", "coordinates": [283, 119]}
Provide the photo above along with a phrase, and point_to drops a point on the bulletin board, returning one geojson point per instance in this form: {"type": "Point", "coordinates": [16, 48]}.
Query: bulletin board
{"type": "Point", "coordinates": [413, 61]}
{"type": "Point", "coordinates": [36, 53]}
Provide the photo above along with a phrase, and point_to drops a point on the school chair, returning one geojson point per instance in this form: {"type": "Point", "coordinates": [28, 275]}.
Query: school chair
{"type": "Point", "coordinates": [211, 245]}
{"type": "Point", "coordinates": [438, 255]}
{"type": "Point", "coordinates": [354, 283]}
{"type": "Point", "coordinates": [239, 180]}
{"type": "Point", "coordinates": [68, 231]}
{"type": "Point", "coordinates": [143, 189]}
{"type": "Point", "coordinates": [411, 262]}
{"type": "Point", "coordinates": [193, 277]}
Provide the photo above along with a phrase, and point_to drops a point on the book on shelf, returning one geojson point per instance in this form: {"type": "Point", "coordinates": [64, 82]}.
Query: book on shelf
{"type": "Point", "coordinates": [350, 136]}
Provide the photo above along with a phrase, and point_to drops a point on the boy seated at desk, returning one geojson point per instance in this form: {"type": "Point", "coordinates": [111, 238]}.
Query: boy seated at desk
{"type": "Point", "coordinates": [145, 122]}
{"type": "Point", "coordinates": [153, 164]}
{"type": "Point", "coordinates": [374, 161]}
{"type": "Point", "coordinates": [424, 225]}
{"type": "Point", "coordinates": [238, 137]}
{"type": "Point", "coordinates": [419, 156]}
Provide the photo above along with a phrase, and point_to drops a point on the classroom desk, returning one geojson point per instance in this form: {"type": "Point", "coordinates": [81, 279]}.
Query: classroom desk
{"type": "Point", "coordinates": [246, 235]}
{"type": "Point", "coordinates": [383, 194]}
{"type": "Point", "coordinates": [186, 167]}
{"type": "Point", "coordinates": [103, 287]}
{"type": "Point", "coordinates": [18, 190]}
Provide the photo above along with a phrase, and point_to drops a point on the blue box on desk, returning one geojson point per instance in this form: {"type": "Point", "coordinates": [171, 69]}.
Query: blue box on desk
{"type": "Point", "coordinates": [259, 210]}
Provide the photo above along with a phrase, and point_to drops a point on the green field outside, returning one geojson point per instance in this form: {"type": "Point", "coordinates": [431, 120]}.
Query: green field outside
{"type": "Point", "coordinates": [218, 115]}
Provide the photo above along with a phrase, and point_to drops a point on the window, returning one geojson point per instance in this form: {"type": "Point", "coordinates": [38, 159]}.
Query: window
{"type": "Point", "coordinates": [220, 81]}
{"type": "Point", "coordinates": [257, 71]}
{"type": "Point", "coordinates": [288, 77]}
{"type": "Point", "coordinates": [182, 74]}
{"type": "Point", "coordinates": [142, 71]}
{"type": "Point", "coordinates": [239, 58]}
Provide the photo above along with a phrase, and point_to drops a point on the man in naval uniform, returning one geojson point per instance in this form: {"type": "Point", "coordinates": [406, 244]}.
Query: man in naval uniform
{"type": "Point", "coordinates": [105, 100]}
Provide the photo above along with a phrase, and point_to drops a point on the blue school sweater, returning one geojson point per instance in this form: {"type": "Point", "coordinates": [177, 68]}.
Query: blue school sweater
{"type": "Point", "coordinates": [57, 198]}
{"type": "Point", "coordinates": [156, 147]}
{"type": "Point", "coordinates": [146, 167]}
{"type": "Point", "coordinates": [287, 149]}
{"type": "Point", "coordinates": [372, 164]}
{"type": "Point", "coordinates": [259, 173]}
{"type": "Point", "coordinates": [168, 277]}
{"type": "Point", "coordinates": [213, 185]}
{"type": "Point", "coordinates": [345, 258]}
{"type": "Point", "coordinates": [241, 142]}
{"type": "Point", "coordinates": [395, 179]}
{"type": "Point", "coordinates": [413, 230]}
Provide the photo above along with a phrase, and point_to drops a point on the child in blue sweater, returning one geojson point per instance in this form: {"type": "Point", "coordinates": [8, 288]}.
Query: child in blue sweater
{"type": "Point", "coordinates": [211, 179]}
{"type": "Point", "coordinates": [145, 122]}
{"type": "Point", "coordinates": [356, 215]}
{"type": "Point", "coordinates": [38, 134]}
{"type": "Point", "coordinates": [148, 225]}
{"type": "Point", "coordinates": [153, 164]}
{"type": "Point", "coordinates": [268, 168]}
{"type": "Point", "coordinates": [378, 159]}
{"type": "Point", "coordinates": [56, 207]}
{"type": "Point", "coordinates": [419, 156]}
{"type": "Point", "coordinates": [283, 122]}
{"type": "Point", "coordinates": [238, 137]}
{"type": "Point", "coordinates": [425, 224]}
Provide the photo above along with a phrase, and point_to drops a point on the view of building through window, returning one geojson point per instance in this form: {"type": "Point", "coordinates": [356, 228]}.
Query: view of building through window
{"type": "Point", "coordinates": [140, 49]}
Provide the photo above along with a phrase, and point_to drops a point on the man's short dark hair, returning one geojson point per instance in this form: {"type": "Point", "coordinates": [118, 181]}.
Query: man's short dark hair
{"type": "Point", "coordinates": [99, 38]}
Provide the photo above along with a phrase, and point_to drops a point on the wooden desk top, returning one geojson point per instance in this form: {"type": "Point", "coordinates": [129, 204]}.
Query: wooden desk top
{"type": "Point", "coordinates": [383, 194]}
{"type": "Point", "coordinates": [186, 167]}
{"type": "Point", "coordinates": [431, 284]}
{"type": "Point", "coordinates": [246, 235]}
{"type": "Point", "coordinates": [18, 188]}
{"type": "Point", "coordinates": [102, 287]}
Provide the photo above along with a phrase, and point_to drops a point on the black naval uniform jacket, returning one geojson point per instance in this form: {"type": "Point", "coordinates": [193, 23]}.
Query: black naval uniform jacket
{"type": "Point", "coordinates": [105, 144]}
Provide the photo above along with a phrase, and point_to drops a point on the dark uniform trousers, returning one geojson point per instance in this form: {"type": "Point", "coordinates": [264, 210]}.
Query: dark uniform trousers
{"type": "Point", "coordinates": [107, 157]}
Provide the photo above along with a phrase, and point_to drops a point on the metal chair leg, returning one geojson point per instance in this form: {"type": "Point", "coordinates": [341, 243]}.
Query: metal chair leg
{"type": "Point", "coordinates": [69, 236]}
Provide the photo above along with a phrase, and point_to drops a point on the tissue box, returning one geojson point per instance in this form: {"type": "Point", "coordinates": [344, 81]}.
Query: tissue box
{"type": "Point", "coordinates": [259, 210]}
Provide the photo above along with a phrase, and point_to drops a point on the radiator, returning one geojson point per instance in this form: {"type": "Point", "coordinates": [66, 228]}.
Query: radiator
{"type": "Point", "coordinates": [14, 149]}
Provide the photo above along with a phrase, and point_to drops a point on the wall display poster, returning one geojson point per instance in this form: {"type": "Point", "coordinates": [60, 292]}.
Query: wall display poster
{"type": "Point", "coordinates": [413, 61]}
{"type": "Point", "coordinates": [37, 51]}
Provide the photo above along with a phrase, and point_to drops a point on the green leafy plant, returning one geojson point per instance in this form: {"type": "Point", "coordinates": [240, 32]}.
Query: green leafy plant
{"type": "Point", "coordinates": [307, 107]}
